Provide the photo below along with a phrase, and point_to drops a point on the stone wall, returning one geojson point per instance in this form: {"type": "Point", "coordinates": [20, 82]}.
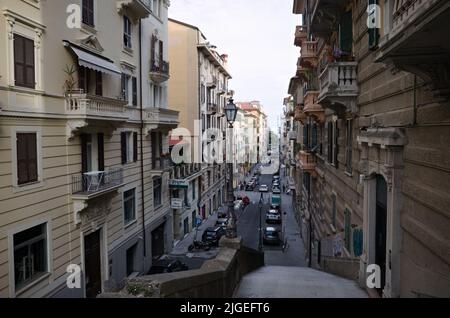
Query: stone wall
{"type": "Point", "coordinates": [217, 278]}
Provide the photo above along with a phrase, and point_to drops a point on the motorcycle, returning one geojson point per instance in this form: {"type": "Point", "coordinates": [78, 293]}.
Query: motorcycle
{"type": "Point", "coordinates": [199, 245]}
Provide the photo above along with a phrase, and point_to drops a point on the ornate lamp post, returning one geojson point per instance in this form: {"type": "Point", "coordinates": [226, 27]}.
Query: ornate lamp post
{"type": "Point", "coordinates": [231, 113]}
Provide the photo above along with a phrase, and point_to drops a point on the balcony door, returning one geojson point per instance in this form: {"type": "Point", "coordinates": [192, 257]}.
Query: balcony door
{"type": "Point", "coordinates": [380, 229]}
{"type": "Point", "coordinates": [92, 157]}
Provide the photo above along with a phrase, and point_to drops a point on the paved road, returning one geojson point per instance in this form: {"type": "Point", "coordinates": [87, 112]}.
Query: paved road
{"type": "Point", "coordinates": [249, 224]}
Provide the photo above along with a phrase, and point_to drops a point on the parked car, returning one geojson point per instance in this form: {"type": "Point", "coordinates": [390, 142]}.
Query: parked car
{"type": "Point", "coordinates": [167, 266]}
{"type": "Point", "coordinates": [276, 190]}
{"type": "Point", "coordinates": [271, 236]}
{"type": "Point", "coordinates": [238, 204]}
{"type": "Point", "coordinates": [222, 222]}
{"type": "Point", "coordinates": [273, 216]}
{"type": "Point", "coordinates": [263, 188]}
{"type": "Point", "coordinates": [250, 186]}
{"type": "Point", "coordinates": [213, 235]}
{"type": "Point", "coordinates": [246, 201]}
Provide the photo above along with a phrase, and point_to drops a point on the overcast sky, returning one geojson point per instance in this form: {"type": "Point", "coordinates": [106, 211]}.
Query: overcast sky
{"type": "Point", "coordinates": [258, 36]}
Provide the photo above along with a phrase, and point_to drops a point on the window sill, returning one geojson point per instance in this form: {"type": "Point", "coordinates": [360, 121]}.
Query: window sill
{"type": "Point", "coordinates": [130, 224]}
{"type": "Point", "coordinates": [128, 51]}
{"type": "Point", "coordinates": [30, 285]}
{"type": "Point", "coordinates": [26, 90]}
{"type": "Point", "coordinates": [349, 174]}
{"type": "Point", "coordinates": [90, 29]}
{"type": "Point", "coordinates": [28, 186]}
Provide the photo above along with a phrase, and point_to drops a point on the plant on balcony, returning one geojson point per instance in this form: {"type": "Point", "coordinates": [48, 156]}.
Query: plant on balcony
{"type": "Point", "coordinates": [70, 84]}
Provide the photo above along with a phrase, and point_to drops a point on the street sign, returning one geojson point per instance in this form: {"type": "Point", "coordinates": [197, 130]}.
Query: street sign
{"type": "Point", "coordinates": [176, 203]}
{"type": "Point", "coordinates": [178, 184]}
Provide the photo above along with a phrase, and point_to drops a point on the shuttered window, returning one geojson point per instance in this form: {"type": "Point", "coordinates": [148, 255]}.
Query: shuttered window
{"type": "Point", "coordinates": [349, 152]}
{"type": "Point", "coordinates": [88, 12]}
{"type": "Point", "coordinates": [24, 68]}
{"type": "Point", "coordinates": [330, 142]}
{"type": "Point", "coordinates": [27, 163]}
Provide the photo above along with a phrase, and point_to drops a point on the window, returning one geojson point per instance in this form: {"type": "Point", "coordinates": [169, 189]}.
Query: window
{"type": "Point", "coordinates": [186, 198]}
{"type": "Point", "coordinates": [27, 158]}
{"type": "Point", "coordinates": [335, 143]}
{"type": "Point", "coordinates": [202, 93]}
{"type": "Point", "coordinates": [131, 256]}
{"type": "Point", "coordinates": [88, 12]}
{"type": "Point", "coordinates": [129, 206]}
{"type": "Point", "coordinates": [24, 69]}
{"type": "Point", "coordinates": [349, 142]}
{"type": "Point", "coordinates": [346, 33]}
{"type": "Point", "coordinates": [30, 255]}
{"type": "Point", "coordinates": [374, 33]}
{"type": "Point", "coordinates": [330, 142]}
{"type": "Point", "coordinates": [157, 200]}
{"type": "Point", "coordinates": [193, 189]}
{"type": "Point", "coordinates": [156, 7]}
{"type": "Point", "coordinates": [194, 219]}
{"type": "Point", "coordinates": [129, 89]}
{"type": "Point", "coordinates": [333, 136]}
{"type": "Point", "coordinates": [129, 146]}
{"type": "Point", "coordinates": [127, 32]}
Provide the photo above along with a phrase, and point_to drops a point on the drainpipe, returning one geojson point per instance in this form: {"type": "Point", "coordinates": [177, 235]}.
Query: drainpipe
{"type": "Point", "coordinates": [415, 102]}
{"type": "Point", "coordinates": [142, 144]}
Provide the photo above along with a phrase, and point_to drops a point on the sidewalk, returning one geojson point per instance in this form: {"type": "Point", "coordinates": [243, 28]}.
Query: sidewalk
{"type": "Point", "coordinates": [181, 247]}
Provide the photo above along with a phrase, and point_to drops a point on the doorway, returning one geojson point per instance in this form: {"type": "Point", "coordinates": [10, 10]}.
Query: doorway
{"type": "Point", "coordinates": [92, 264]}
{"type": "Point", "coordinates": [380, 229]}
{"type": "Point", "coordinates": [158, 247]}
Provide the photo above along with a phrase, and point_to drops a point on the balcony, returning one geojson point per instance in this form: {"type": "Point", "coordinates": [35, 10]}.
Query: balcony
{"type": "Point", "coordinates": [212, 108]}
{"type": "Point", "coordinates": [323, 16]}
{"type": "Point", "coordinates": [160, 119]}
{"type": "Point", "coordinates": [307, 162]}
{"type": "Point", "coordinates": [301, 34]}
{"type": "Point", "coordinates": [136, 9]}
{"type": "Point", "coordinates": [83, 110]}
{"type": "Point", "coordinates": [299, 6]}
{"type": "Point", "coordinates": [415, 41]}
{"type": "Point", "coordinates": [312, 107]}
{"type": "Point", "coordinates": [339, 87]}
{"type": "Point", "coordinates": [159, 71]}
{"type": "Point", "coordinates": [187, 171]}
{"type": "Point", "coordinates": [91, 185]}
{"type": "Point", "coordinates": [302, 71]}
{"type": "Point", "coordinates": [300, 115]}
{"type": "Point", "coordinates": [309, 57]}
{"type": "Point", "coordinates": [161, 165]}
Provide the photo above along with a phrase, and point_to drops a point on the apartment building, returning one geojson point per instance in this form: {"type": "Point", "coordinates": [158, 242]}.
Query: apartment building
{"type": "Point", "coordinates": [199, 91]}
{"type": "Point", "coordinates": [83, 126]}
{"type": "Point", "coordinates": [256, 131]}
{"type": "Point", "coordinates": [373, 176]}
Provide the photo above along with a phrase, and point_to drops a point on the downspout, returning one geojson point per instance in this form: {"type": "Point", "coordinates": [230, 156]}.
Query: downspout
{"type": "Point", "coordinates": [199, 202]}
{"type": "Point", "coordinates": [142, 144]}
{"type": "Point", "coordinates": [415, 102]}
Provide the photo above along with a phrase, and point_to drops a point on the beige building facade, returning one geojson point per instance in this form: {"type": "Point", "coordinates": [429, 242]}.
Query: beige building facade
{"type": "Point", "coordinates": [83, 178]}
{"type": "Point", "coordinates": [199, 91]}
{"type": "Point", "coordinates": [372, 173]}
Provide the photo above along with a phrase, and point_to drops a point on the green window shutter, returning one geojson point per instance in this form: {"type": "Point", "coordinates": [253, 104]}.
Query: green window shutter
{"type": "Point", "coordinates": [346, 33]}
{"type": "Point", "coordinates": [374, 33]}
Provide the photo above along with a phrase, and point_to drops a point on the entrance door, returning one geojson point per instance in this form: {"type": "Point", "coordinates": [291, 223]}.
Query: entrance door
{"type": "Point", "coordinates": [380, 229]}
{"type": "Point", "coordinates": [92, 265]}
{"type": "Point", "coordinates": [158, 242]}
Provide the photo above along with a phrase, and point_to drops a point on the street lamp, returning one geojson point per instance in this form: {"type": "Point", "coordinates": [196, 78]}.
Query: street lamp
{"type": "Point", "coordinates": [231, 113]}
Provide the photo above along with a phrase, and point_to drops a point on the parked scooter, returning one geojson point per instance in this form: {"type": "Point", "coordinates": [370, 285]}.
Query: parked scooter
{"type": "Point", "coordinates": [199, 245]}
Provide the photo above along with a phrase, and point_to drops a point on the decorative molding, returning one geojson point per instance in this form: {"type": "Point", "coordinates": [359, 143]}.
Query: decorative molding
{"type": "Point", "coordinates": [74, 126]}
{"type": "Point", "coordinates": [92, 43]}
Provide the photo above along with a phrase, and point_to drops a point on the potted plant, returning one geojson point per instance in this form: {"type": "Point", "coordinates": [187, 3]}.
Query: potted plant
{"type": "Point", "coordinates": [70, 84]}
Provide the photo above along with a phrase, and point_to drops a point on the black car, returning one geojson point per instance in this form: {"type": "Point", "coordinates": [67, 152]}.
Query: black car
{"type": "Point", "coordinates": [213, 235]}
{"type": "Point", "coordinates": [250, 186]}
{"type": "Point", "coordinates": [167, 266]}
{"type": "Point", "coordinates": [271, 236]}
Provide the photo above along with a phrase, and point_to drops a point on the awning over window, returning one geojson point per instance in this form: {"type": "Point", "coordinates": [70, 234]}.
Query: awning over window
{"type": "Point", "coordinates": [92, 61]}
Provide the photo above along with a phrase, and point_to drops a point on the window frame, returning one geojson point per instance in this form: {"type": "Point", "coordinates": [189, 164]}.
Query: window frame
{"type": "Point", "coordinates": [40, 182]}
{"type": "Point", "coordinates": [127, 33]}
{"type": "Point", "coordinates": [128, 221]}
{"type": "Point", "coordinates": [157, 184]}
{"type": "Point", "coordinates": [90, 19]}
{"type": "Point", "coordinates": [14, 292]}
{"type": "Point", "coordinates": [25, 40]}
